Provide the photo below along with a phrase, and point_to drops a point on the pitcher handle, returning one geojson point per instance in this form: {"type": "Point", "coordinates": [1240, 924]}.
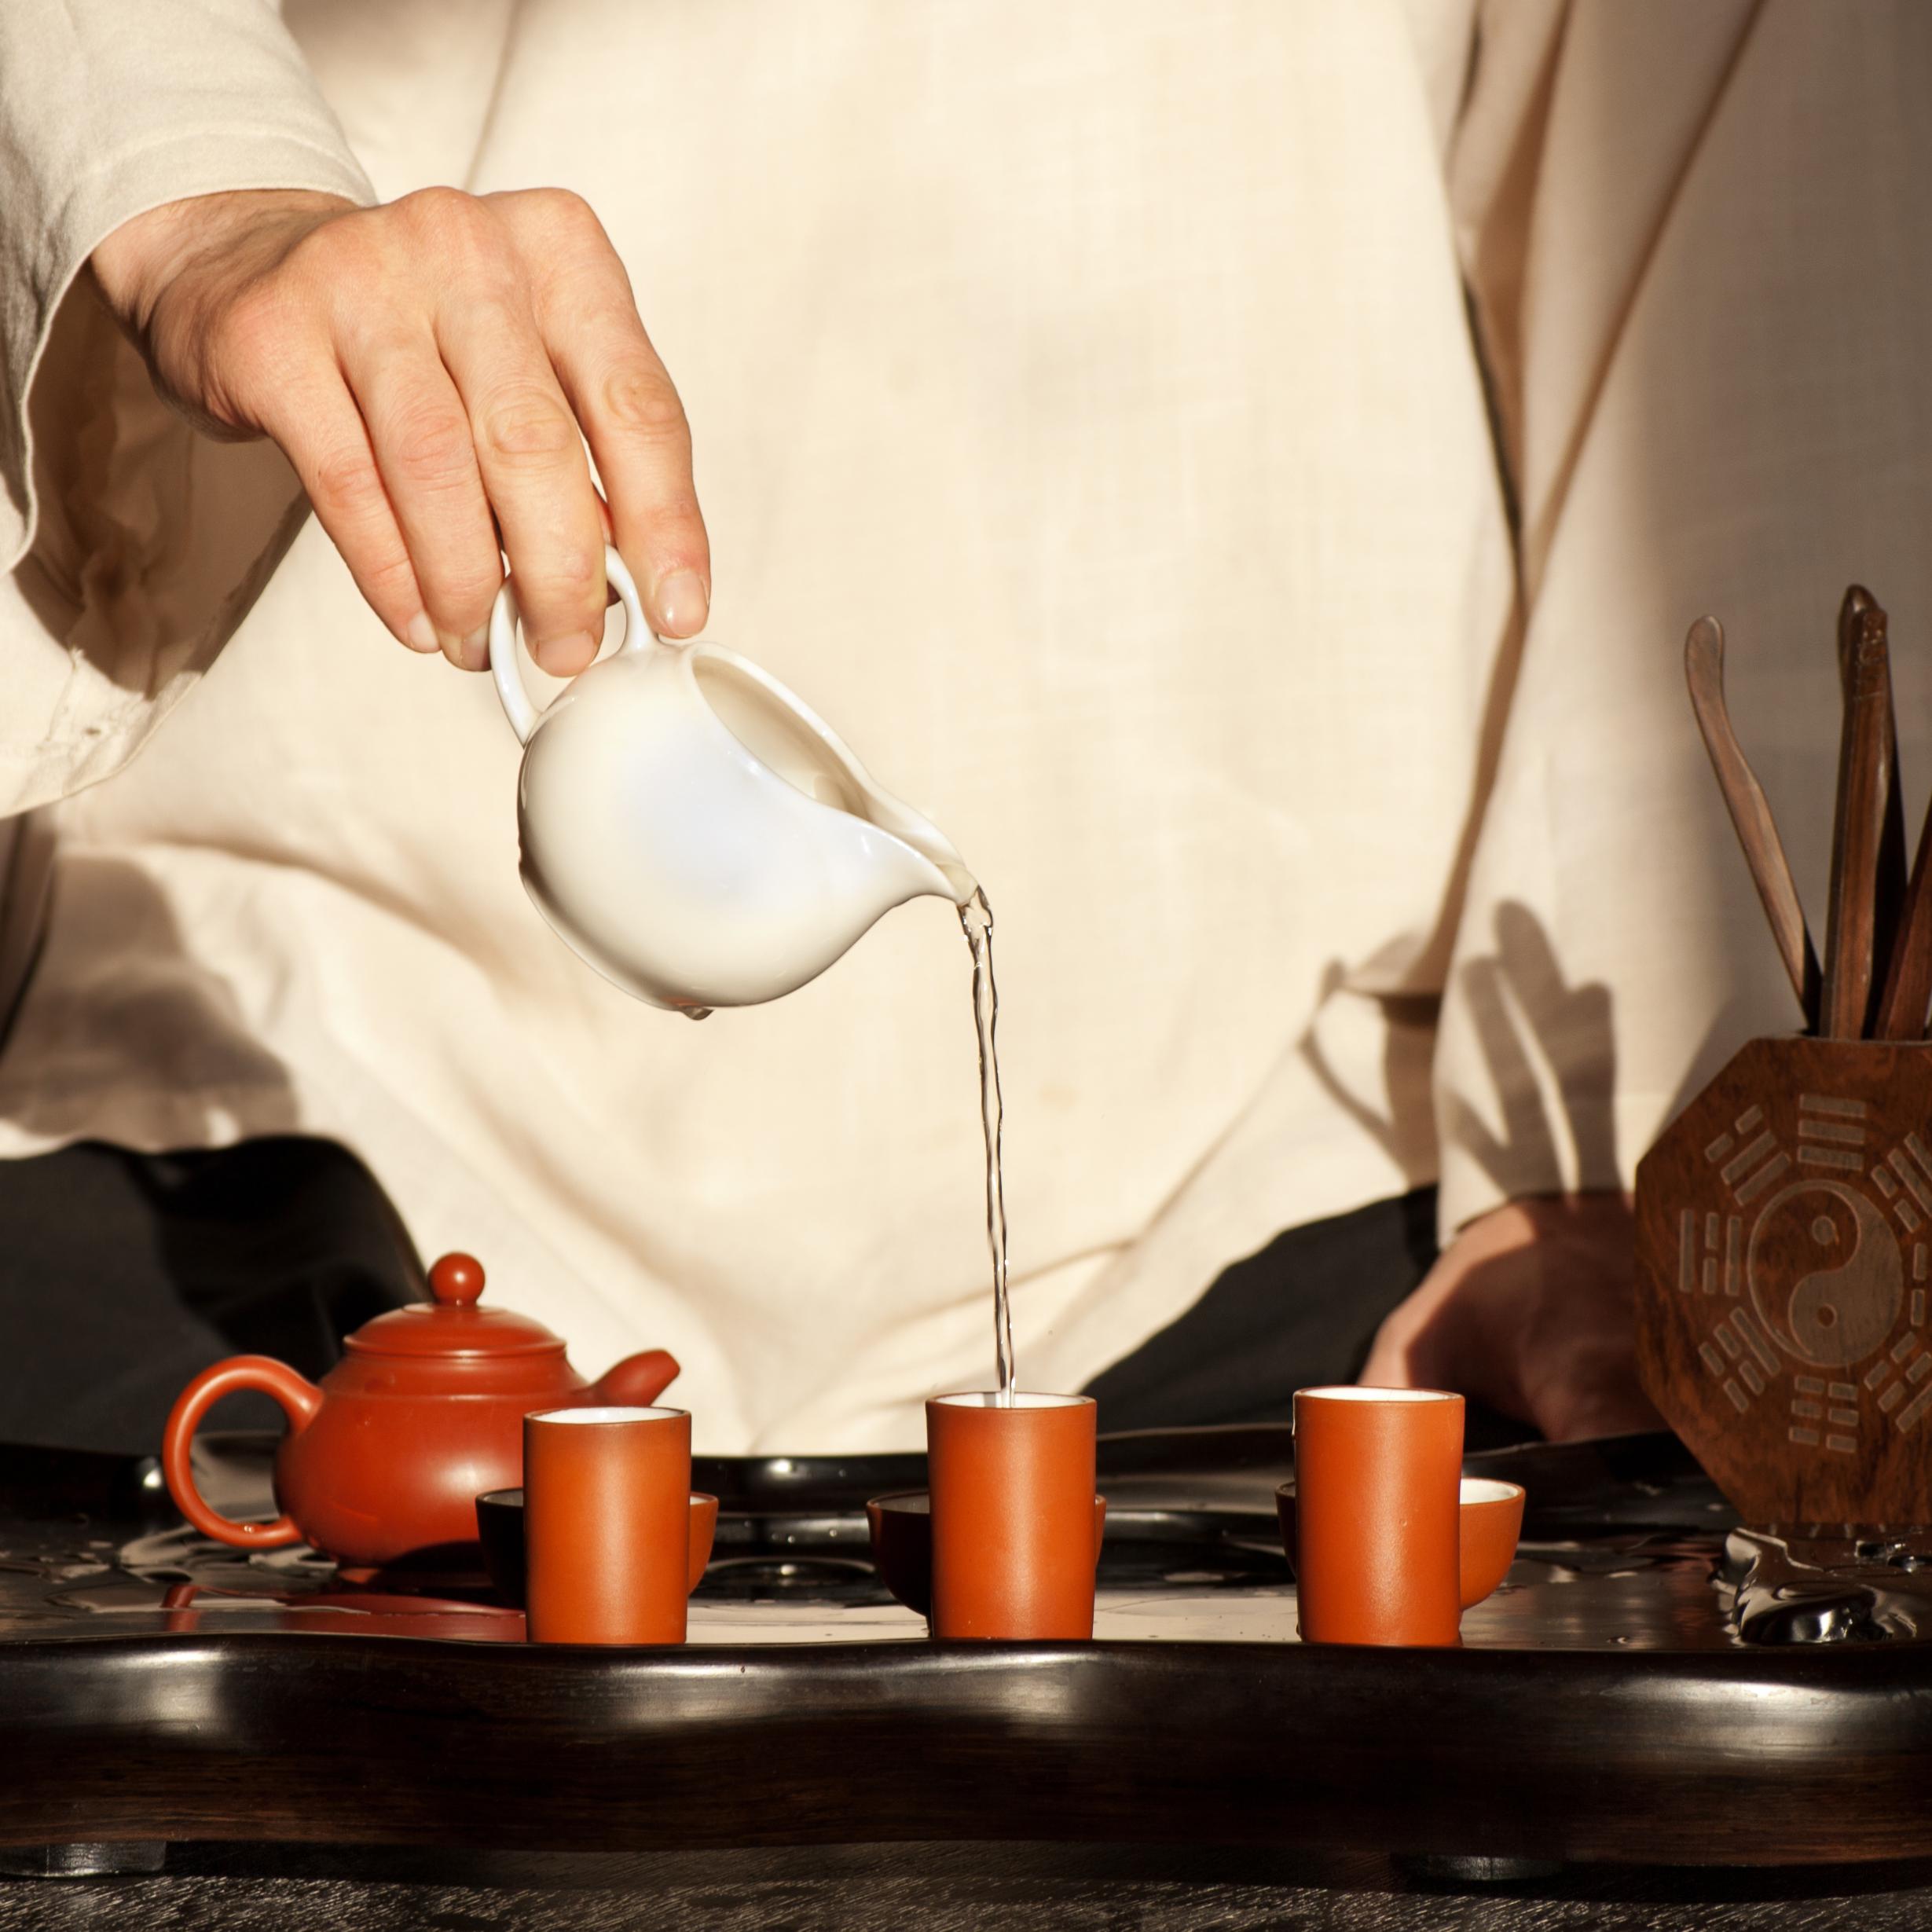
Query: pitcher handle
{"type": "Point", "coordinates": [505, 618]}
{"type": "Point", "coordinates": [299, 1399]}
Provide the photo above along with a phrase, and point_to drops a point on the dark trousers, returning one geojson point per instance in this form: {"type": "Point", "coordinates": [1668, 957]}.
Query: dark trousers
{"type": "Point", "coordinates": [122, 1275]}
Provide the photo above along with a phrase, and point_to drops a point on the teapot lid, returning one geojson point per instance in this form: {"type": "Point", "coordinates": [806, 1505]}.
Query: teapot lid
{"type": "Point", "coordinates": [452, 1323]}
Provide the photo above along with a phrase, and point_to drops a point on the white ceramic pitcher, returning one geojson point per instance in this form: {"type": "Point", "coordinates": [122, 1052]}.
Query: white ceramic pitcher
{"type": "Point", "coordinates": [694, 831]}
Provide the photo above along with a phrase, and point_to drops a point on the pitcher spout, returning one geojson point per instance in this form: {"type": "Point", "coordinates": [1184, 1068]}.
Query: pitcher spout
{"type": "Point", "coordinates": [892, 815]}
{"type": "Point", "coordinates": [793, 741]}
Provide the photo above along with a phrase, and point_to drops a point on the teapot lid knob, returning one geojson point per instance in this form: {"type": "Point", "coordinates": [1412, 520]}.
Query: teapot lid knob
{"type": "Point", "coordinates": [452, 1324]}
{"type": "Point", "coordinates": [456, 1281]}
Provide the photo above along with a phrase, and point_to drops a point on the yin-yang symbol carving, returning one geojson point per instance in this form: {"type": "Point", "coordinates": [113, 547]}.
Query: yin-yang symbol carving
{"type": "Point", "coordinates": [1826, 1275]}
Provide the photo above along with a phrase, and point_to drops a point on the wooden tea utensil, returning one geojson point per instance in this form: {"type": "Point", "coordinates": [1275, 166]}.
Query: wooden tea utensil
{"type": "Point", "coordinates": [1751, 812]}
{"type": "Point", "coordinates": [1902, 943]}
{"type": "Point", "coordinates": [1863, 784]}
{"type": "Point", "coordinates": [1888, 895]}
{"type": "Point", "coordinates": [1907, 987]}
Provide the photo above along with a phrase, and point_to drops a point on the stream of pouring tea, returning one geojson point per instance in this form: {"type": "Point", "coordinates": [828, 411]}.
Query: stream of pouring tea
{"type": "Point", "coordinates": [975, 921]}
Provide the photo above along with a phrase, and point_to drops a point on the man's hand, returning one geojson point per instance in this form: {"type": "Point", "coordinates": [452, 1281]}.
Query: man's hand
{"type": "Point", "coordinates": [428, 367]}
{"type": "Point", "coordinates": [1529, 1308]}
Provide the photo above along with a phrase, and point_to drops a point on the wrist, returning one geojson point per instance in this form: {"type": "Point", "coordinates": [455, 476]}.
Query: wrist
{"type": "Point", "coordinates": [1534, 1217]}
{"type": "Point", "coordinates": [136, 263]}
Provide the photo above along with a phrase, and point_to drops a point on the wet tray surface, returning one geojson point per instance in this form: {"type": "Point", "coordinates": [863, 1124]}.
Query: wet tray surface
{"type": "Point", "coordinates": [1636, 1690]}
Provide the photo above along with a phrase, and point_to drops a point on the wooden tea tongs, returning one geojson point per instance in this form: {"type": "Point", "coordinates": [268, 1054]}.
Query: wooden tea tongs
{"type": "Point", "coordinates": [1888, 895]}
{"type": "Point", "coordinates": [1872, 899]}
{"type": "Point", "coordinates": [1751, 813]}
{"type": "Point", "coordinates": [1866, 751]}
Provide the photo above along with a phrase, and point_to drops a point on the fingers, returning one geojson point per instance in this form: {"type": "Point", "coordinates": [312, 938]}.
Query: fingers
{"type": "Point", "coordinates": [420, 434]}
{"type": "Point", "coordinates": [635, 425]}
{"type": "Point", "coordinates": [626, 403]}
{"type": "Point", "coordinates": [530, 457]}
{"type": "Point", "coordinates": [434, 368]}
{"type": "Point", "coordinates": [314, 419]}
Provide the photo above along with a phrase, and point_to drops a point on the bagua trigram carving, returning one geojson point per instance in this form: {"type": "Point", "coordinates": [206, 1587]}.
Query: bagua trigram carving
{"type": "Point", "coordinates": [1806, 1275]}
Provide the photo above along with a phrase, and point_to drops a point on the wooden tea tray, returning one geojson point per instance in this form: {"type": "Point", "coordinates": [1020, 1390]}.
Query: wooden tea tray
{"type": "Point", "coordinates": [1603, 1704]}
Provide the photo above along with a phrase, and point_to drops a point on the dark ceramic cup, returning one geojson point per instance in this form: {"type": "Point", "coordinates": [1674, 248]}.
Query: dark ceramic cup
{"type": "Point", "coordinates": [1490, 1522]}
{"type": "Point", "coordinates": [901, 1527]}
{"type": "Point", "coordinates": [499, 1526]}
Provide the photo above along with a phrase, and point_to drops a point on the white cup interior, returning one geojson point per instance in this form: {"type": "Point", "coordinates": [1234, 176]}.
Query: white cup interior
{"type": "Point", "coordinates": [1357, 1394]}
{"type": "Point", "coordinates": [1486, 1489]}
{"type": "Point", "coordinates": [583, 1417]}
{"type": "Point", "coordinates": [1018, 1399]}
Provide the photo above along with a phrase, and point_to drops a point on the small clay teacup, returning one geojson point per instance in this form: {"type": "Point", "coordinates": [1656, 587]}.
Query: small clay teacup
{"type": "Point", "coordinates": [1011, 1479]}
{"type": "Point", "coordinates": [1491, 1515]}
{"type": "Point", "coordinates": [500, 1526]}
{"type": "Point", "coordinates": [901, 1527]}
{"type": "Point", "coordinates": [1489, 1521]}
{"type": "Point", "coordinates": [607, 1525]}
{"type": "Point", "coordinates": [1377, 1530]}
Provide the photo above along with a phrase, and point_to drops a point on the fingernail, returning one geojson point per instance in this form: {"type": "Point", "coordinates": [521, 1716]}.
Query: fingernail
{"type": "Point", "coordinates": [564, 657]}
{"type": "Point", "coordinates": [683, 601]}
{"type": "Point", "coordinates": [420, 634]}
{"type": "Point", "coordinates": [475, 649]}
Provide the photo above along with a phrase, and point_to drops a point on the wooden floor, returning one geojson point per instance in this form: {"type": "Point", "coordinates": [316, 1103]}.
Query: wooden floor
{"type": "Point", "coordinates": [938, 1888]}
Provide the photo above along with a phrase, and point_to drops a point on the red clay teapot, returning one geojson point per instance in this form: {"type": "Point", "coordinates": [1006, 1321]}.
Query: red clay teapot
{"type": "Point", "coordinates": [385, 1460]}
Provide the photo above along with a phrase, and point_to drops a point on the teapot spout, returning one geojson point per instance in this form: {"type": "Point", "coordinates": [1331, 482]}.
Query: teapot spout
{"type": "Point", "coordinates": [637, 1381]}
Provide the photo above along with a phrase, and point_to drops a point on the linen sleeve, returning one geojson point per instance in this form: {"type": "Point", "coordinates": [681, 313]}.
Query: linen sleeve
{"type": "Point", "coordinates": [1699, 242]}
{"type": "Point", "coordinates": [132, 545]}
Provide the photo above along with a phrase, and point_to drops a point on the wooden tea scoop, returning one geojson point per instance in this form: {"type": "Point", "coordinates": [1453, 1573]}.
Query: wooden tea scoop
{"type": "Point", "coordinates": [1863, 782]}
{"type": "Point", "coordinates": [1888, 895]}
{"type": "Point", "coordinates": [1906, 992]}
{"type": "Point", "coordinates": [1751, 812]}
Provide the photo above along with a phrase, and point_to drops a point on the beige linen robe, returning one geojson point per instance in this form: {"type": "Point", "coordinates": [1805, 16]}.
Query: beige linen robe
{"type": "Point", "coordinates": [1090, 425]}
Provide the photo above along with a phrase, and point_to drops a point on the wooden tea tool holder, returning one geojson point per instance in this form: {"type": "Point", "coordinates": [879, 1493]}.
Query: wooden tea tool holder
{"type": "Point", "coordinates": [1784, 1219]}
{"type": "Point", "coordinates": [1784, 1264]}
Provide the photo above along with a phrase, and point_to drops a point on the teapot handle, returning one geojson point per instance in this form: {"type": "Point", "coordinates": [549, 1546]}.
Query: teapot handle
{"type": "Point", "coordinates": [504, 622]}
{"type": "Point", "coordinates": [299, 1398]}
